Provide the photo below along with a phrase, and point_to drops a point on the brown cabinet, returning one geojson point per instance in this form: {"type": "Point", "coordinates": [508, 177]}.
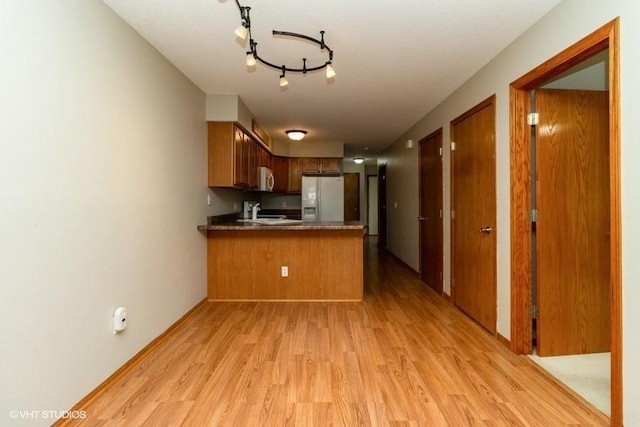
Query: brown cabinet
{"type": "Point", "coordinates": [331, 166]}
{"type": "Point", "coordinates": [295, 175]}
{"type": "Point", "coordinates": [310, 165]}
{"type": "Point", "coordinates": [266, 159]}
{"type": "Point", "coordinates": [233, 156]}
{"type": "Point", "coordinates": [252, 162]}
{"type": "Point", "coordinates": [280, 174]}
{"type": "Point", "coordinates": [321, 166]}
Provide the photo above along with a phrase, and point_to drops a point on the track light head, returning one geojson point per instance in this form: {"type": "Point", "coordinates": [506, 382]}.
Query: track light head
{"type": "Point", "coordinates": [251, 60]}
{"type": "Point", "coordinates": [242, 32]}
{"type": "Point", "coordinates": [331, 73]}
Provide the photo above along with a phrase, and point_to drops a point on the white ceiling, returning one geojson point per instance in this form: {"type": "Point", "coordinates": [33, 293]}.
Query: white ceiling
{"type": "Point", "coordinates": [395, 60]}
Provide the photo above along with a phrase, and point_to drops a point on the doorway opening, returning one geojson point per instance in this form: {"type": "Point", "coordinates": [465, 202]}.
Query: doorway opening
{"type": "Point", "coordinates": [525, 224]}
{"type": "Point", "coordinates": [372, 205]}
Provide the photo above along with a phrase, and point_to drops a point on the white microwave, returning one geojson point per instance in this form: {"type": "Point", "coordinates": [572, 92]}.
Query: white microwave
{"type": "Point", "coordinates": [266, 181]}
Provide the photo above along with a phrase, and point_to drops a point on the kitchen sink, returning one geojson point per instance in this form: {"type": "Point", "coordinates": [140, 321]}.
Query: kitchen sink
{"type": "Point", "coordinates": [276, 221]}
{"type": "Point", "coordinates": [272, 221]}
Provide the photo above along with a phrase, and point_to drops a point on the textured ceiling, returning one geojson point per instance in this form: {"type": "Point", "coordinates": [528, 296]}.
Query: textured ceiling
{"type": "Point", "coordinates": [395, 60]}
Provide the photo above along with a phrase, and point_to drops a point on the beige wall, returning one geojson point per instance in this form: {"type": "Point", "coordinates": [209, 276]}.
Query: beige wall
{"type": "Point", "coordinates": [554, 32]}
{"type": "Point", "coordinates": [592, 74]}
{"type": "Point", "coordinates": [222, 108]}
{"type": "Point", "coordinates": [316, 149]}
{"type": "Point", "coordinates": [402, 201]}
{"type": "Point", "coordinates": [103, 181]}
{"type": "Point", "coordinates": [229, 108]}
{"type": "Point", "coordinates": [232, 108]}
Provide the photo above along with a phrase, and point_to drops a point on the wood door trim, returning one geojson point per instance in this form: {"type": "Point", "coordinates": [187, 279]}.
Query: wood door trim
{"type": "Point", "coordinates": [604, 37]}
{"type": "Point", "coordinates": [483, 104]}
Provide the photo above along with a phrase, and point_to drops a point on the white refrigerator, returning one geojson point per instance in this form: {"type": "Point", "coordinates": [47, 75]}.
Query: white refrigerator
{"type": "Point", "coordinates": [322, 198]}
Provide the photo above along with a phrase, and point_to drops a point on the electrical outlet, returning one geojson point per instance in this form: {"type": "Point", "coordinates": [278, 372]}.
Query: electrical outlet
{"type": "Point", "coordinates": [119, 319]}
{"type": "Point", "coordinates": [235, 206]}
{"type": "Point", "coordinates": [208, 199]}
{"type": "Point", "coordinates": [284, 271]}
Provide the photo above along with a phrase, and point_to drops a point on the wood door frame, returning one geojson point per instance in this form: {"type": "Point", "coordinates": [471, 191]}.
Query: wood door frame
{"type": "Point", "coordinates": [438, 133]}
{"type": "Point", "coordinates": [482, 104]}
{"type": "Point", "coordinates": [605, 37]}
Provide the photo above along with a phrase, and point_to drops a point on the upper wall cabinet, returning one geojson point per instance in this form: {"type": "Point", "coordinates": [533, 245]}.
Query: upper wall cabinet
{"type": "Point", "coordinates": [294, 184]}
{"type": "Point", "coordinates": [331, 166]}
{"type": "Point", "coordinates": [280, 174]}
{"type": "Point", "coordinates": [321, 166]}
{"type": "Point", "coordinates": [234, 156]}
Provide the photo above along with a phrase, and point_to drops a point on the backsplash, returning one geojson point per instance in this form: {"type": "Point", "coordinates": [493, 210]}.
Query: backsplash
{"type": "Point", "coordinates": [280, 201]}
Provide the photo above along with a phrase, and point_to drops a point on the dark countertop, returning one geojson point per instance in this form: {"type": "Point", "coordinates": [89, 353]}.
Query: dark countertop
{"type": "Point", "coordinates": [306, 225]}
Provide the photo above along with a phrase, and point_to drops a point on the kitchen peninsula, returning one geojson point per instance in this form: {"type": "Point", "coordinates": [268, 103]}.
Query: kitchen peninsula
{"type": "Point", "coordinates": [300, 261]}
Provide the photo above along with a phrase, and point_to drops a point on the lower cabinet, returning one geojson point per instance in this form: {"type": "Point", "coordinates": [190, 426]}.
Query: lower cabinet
{"type": "Point", "coordinates": [324, 264]}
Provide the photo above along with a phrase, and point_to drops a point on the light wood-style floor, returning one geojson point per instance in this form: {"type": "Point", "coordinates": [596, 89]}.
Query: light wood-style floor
{"type": "Point", "coordinates": [403, 357]}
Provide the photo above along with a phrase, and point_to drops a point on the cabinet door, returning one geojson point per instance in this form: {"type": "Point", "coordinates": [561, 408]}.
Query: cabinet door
{"type": "Point", "coordinates": [280, 174]}
{"type": "Point", "coordinates": [221, 145]}
{"type": "Point", "coordinates": [239, 158]}
{"type": "Point", "coordinates": [266, 159]}
{"type": "Point", "coordinates": [330, 166]}
{"type": "Point", "coordinates": [252, 162]}
{"type": "Point", "coordinates": [295, 175]}
{"type": "Point", "coordinates": [310, 165]}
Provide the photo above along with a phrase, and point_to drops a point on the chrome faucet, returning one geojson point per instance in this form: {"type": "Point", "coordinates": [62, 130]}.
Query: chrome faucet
{"type": "Point", "coordinates": [254, 211]}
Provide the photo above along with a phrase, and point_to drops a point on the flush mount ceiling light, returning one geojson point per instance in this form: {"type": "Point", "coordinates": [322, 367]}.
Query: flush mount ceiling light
{"type": "Point", "coordinates": [244, 31]}
{"type": "Point", "coordinates": [296, 134]}
{"type": "Point", "coordinates": [358, 160]}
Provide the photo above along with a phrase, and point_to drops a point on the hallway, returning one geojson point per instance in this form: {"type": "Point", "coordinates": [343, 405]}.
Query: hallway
{"type": "Point", "coordinates": [404, 356]}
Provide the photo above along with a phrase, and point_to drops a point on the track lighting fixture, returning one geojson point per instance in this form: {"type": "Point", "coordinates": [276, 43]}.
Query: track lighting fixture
{"type": "Point", "coordinates": [244, 31]}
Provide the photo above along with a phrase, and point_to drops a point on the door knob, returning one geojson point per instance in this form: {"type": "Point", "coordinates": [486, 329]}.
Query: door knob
{"type": "Point", "coordinates": [421, 218]}
{"type": "Point", "coordinates": [486, 230]}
